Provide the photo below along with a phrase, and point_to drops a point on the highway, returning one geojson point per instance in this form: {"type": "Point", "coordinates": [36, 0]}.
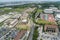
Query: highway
{"type": "Point", "coordinates": [31, 32]}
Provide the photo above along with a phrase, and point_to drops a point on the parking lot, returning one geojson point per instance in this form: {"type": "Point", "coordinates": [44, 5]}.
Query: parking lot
{"type": "Point", "coordinates": [46, 36]}
{"type": "Point", "coordinates": [3, 31]}
{"type": "Point", "coordinates": [11, 35]}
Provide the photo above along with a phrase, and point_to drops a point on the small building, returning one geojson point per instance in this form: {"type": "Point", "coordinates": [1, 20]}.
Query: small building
{"type": "Point", "coordinates": [48, 11]}
{"type": "Point", "coordinates": [24, 21]}
{"type": "Point", "coordinates": [11, 22]}
{"type": "Point", "coordinates": [51, 28]}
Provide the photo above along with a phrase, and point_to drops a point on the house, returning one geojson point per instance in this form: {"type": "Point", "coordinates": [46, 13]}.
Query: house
{"type": "Point", "coordinates": [48, 11]}
{"type": "Point", "coordinates": [51, 28]}
{"type": "Point", "coordinates": [11, 22]}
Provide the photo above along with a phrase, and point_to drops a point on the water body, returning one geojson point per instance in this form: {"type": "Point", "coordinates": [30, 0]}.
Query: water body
{"type": "Point", "coordinates": [13, 3]}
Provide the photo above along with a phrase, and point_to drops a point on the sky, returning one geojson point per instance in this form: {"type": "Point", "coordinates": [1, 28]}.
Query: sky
{"type": "Point", "coordinates": [25, 0]}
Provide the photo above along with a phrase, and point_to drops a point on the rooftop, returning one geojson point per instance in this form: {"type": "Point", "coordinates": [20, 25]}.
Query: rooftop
{"type": "Point", "coordinates": [20, 34]}
{"type": "Point", "coordinates": [51, 28]}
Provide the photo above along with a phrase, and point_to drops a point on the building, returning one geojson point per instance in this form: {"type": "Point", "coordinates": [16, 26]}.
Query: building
{"type": "Point", "coordinates": [52, 5]}
{"type": "Point", "coordinates": [39, 6]}
{"type": "Point", "coordinates": [22, 35]}
{"type": "Point", "coordinates": [17, 16]}
{"type": "Point", "coordinates": [11, 22]}
{"type": "Point", "coordinates": [24, 21]}
{"type": "Point", "coordinates": [51, 28]}
{"type": "Point", "coordinates": [57, 15]}
{"type": "Point", "coordinates": [24, 18]}
{"type": "Point", "coordinates": [48, 11]}
{"type": "Point", "coordinates": [53, 8]}
{"type": "Point", "coordinates": [48, 17]}
{"type": "Point", "coordinates": [4, 17]}
{"type": "Point", "coordinates": [13, 13]}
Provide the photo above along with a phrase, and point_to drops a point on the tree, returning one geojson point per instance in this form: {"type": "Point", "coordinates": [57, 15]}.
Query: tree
{"type": "Point", "coordinates": [41, 39]}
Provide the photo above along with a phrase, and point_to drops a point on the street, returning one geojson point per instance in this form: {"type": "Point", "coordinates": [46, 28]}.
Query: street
{"type": "Point", "coordinates": [31, 32]}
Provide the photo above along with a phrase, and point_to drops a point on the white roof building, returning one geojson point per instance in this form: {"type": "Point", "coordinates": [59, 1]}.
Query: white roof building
{"type": "Point", "coordinates": [11, 22]}
{"type": "Point", "coordinates": [53, 8]}
{"type": "Point", "coordinates": [4, 17]}
{"type": "Point", "coordinates": [57, 16]}
{"type": "Point", "coordinates": [48, 11]}
{"type": "Point", "coordinates": [57, 11]}
{"type": "Point", "coordinates": [24, 21]}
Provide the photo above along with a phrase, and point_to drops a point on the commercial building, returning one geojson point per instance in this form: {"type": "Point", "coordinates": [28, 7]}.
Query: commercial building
{"type": "Point", "coordinates": [4, 17]}
{"type": "Point", "coordinates": [53, 8]}
{"type": "Point", "coordinates": [13, 13]}
{"type": "Point", "coordinates": [17, 16]}
{"type": "Point", "coordinates": [57, 15]}
{"type": "Point", "coordinates": [11, 22]}
{"type": "Point", "coordinates": [51, 29]}
{"type": "Point", "coordinates": [24, 21]}
{"type": "Point", "coordinates": [22, 35]}
{"type": "Point", "coordinates": [48, 11]}
{"type": "Point", "coordinates": [48, 17]}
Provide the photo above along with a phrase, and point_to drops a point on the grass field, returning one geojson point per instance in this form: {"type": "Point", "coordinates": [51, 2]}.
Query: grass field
{"type": "Point", "coordinates": [1, 24]}
{"type": "Point", "coordinates": [7, 10]}
{"type": "Point", "coordinates": [22, 27]}
{"type": "Point", "coordinates": [39, 10]}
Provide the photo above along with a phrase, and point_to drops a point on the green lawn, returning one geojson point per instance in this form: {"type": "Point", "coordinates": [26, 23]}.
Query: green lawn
{"type": "Point", "coordinates": [22, 27]}
{"type": "Point", "coordinates": [6, 10]}
{"type": "Point", "coordinates": [19, 9]}
{"type": "Point", "coordinates": [58, 23]}
{"type": "Point", "coordinates": [40, 21]}
{"type": "Point", "coordinates": [1, 24]}
{"type": "Point", "coordinates": [39, 10]}
{"type": "Point", "coordinates": [35, 34]}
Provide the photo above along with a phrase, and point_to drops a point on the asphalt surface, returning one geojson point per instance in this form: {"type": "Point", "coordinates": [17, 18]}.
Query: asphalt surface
{"type": "Point", "coordinates": [31, 33]}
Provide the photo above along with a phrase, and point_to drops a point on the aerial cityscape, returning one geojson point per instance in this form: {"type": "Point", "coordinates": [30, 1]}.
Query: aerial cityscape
{"type": "Point", "coordinates": [30, 20]}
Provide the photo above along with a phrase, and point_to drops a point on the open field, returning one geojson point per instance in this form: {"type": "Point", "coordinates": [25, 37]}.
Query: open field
{"type": "Point", "coordinates": [39, 10]}
{"type": "Point", "coordinates": [7, 10]}
{"type": "Point", "coordinates": [1, 24]}
{"type": "Point", "coordinates": [22, 26]}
